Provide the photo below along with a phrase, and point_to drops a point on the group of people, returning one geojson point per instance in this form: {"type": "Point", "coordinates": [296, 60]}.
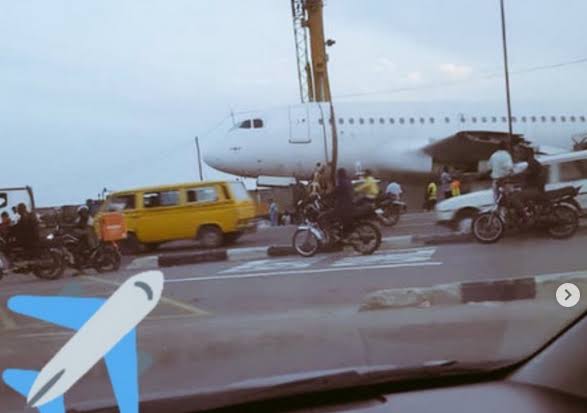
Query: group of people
{"type": "Point", "coordinates": [450, 186]}
{"type": "Point", "coordinates": [24, 229]}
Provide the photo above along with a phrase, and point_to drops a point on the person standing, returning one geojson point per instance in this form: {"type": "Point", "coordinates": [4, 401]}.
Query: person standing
{"type": "Point", "coordinates": [273, 213]}
{"type": "Point", "coordinates": [431, 196]}
{"type": "Point", "coordinates": [445, 180]}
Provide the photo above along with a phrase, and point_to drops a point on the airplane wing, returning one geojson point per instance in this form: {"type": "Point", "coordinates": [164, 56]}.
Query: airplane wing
{"type": "Point", "coordinates": [469, 146]}
{"type": "Point", "coordinates": [73, 313]}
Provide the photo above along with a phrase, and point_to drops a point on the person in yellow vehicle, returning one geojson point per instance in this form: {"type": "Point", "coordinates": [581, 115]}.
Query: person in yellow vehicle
{"type": "Point", "coordinates": [369, 188]}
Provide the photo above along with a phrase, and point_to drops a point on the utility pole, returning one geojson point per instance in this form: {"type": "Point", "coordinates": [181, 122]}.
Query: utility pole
{"type": "Point", "coordinates": [507, 72]}
{"type": "Point", "coordinates": [199, 158]}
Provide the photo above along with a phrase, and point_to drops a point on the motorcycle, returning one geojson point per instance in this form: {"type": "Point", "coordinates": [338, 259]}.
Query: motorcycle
{"type": "Point", "coordinates": [47, 264]}
{"type": "Point", "coordinates": [556, 212]}
{"type": "Point", "coordinates": [104, 257]}
{"type": "Point", "coordinates": [314, 235]}
{"type": "Point", "coordinates": [389, 210]}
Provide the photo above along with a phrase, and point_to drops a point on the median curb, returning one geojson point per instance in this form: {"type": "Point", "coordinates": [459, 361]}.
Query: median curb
{"type": "Point", "coordinates": [523, 288]}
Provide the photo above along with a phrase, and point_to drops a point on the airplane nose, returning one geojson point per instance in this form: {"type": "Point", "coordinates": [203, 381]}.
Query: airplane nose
{"type": "Point", "coordinates": [213, 154]}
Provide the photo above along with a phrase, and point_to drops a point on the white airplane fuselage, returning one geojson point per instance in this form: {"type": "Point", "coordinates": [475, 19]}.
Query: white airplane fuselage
{"type": "Point", "coordinates": [387, 138]}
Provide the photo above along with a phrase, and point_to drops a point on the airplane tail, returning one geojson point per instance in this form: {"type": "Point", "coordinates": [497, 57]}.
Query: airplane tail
{"type": "Point", "coordinates": [21, 381]}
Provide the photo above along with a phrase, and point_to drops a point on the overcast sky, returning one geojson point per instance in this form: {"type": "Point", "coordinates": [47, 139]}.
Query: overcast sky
{"type": "Point", "coordinates": [111, 93]}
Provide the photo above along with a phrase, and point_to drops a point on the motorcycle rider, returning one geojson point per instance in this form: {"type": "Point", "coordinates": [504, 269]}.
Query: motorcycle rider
{"type": "Point", "coordinates": [26, 231]}
{"type": "Point", "coordinates": [533, 181]}
{"type": "Point", "coordinates": [84, 228]}
{"type": "Point", "coordinates": [501, 165]}
{"type": "Point", "coordinates": [369, 189]}
{"type": "Point", "coordinates": [343, 202]}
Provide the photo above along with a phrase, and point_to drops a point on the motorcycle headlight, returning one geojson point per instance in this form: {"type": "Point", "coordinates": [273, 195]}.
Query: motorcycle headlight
{"type": "Point", "coordinates": [50, 236]}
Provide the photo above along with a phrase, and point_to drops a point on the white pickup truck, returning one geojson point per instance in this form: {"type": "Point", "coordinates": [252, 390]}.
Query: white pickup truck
{"type": "Point", "coordinates": [563, 170]}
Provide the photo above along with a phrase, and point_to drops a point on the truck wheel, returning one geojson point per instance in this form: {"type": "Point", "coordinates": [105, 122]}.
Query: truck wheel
{"type": "Point", "coordinates": [210, 236]}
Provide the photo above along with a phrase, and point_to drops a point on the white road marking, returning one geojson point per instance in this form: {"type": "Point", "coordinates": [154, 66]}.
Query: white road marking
{"type": "Point", "coordinates": [301, 272]}
{"type": "Point", "coordinates": [396, 257]}
{"type": "Point", "coordinates": [274, 265]}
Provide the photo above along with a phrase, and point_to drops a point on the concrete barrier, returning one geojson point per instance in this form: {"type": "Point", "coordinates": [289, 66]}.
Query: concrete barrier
{"type": "Point", "coordinates": [192, 258]}
{"type": "Point", "coordinates": [523, 288]}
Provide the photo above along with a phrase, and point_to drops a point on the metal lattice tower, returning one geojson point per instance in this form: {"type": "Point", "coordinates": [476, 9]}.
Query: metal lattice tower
{"type": "Point", "coordinates": [302, 55]}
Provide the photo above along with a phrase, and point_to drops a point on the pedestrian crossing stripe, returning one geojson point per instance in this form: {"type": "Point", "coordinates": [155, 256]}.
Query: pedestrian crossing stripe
{"type": "Point", "coordinates": [396, 257]}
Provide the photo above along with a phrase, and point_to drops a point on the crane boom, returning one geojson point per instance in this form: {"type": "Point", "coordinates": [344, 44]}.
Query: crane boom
{"type": "Point", "coordinates": [308, 23]}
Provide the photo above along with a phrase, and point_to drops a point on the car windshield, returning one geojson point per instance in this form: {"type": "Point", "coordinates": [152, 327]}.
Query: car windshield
{"type": "Point", "coordinates": [198, 200]}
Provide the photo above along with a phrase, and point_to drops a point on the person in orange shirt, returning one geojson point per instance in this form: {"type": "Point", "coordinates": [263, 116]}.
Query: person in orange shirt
{"type": "Point", "coordinates": [455, 187]}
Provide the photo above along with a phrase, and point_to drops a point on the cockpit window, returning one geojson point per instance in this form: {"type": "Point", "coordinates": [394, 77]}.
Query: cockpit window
{"type": "Point", "coordinates": [246, 124]}
{"type": "Point", "coordinates": [257, 123]}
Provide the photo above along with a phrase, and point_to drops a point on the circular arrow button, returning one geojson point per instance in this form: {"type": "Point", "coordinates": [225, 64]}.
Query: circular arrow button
{"type": "Point", "coordinates": [568, 295]}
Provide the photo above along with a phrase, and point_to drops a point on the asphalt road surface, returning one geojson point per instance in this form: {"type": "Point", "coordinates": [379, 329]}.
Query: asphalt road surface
{"type": "Point", "coordinates": [225, 322]}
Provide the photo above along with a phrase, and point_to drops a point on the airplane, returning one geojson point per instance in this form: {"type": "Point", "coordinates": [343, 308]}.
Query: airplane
{"type": "Point", "coordinates": [105, 329]}
{"type": "Point", "coordinates": [407, 140]}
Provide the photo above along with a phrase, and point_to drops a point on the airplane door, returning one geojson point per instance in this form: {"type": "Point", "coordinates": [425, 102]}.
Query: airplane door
{"type": "Point", "coordinates": [299, 124]}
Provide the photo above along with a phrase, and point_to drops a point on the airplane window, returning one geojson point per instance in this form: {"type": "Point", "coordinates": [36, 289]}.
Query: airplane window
{"type": "Point", "coordinates": [523, 119]}
{"type": "Point", "coordinates": [582, 118]}
{"type": "Point", "coordinates": [361, 121]}
{"type": "Point", "coordinates": [484, 119]}
{"type": "Point", "coordinates": [258, 123]}
{"type": "Point", "coordinates": [371, 121]}
{"type": "Point", "coordinates": [321, 122]}
{"type": "Point", "coordinates": [422, 120]}
{"type": "Point", "coordinates": [474, 119]}
{"type": "Point", "coordinates": [412, 120]}
{"type": "Point", "coordinates": [401, 120]}
{"type": "Point", "coordinates": [514, 119]}
{"type": "Point", "coordinates": [533, 118]}
{"type": "Point", "coordinates": [381, 120]}
{"type": "Point", "coordinates": [463, 120]}
{"type": "Point", "coordinates": [341, 121]}
{"type": "Point", "coordinates": [447, 120]}
{"type": "Point", "coordinates": [563, 118]}
{"type": "Point", "coordinates": [504, 119]}
{"type": "Point", "coordinates": [245, 124]}
{"type": "Point", "coordinates": [431, 120]}
{"type": "Point", "coordinates": [553, 118]}
{"type": "Point", "coordinates": [351, 121]}
{"type": "Point", "coordinates": [391, 121]}
{"type": "Point", "coordinates": [572, 119]}
{"type": "Point", "coordinates": [543, 118]}
{"type": "Point", "coordinates": [494, 119]}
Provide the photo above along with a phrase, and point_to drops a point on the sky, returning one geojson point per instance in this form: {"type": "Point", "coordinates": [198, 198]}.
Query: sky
{"type": "Point", "coordinates": [110, 94]}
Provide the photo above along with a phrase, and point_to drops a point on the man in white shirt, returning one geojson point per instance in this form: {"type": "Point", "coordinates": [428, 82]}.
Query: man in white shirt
{"type": "Point", "coordinates": [394, 190]}
{"type": "Point", "coordinates": [501, 165]}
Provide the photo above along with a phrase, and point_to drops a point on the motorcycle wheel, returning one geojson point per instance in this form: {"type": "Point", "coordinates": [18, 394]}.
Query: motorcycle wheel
{"type": "Point", "coordinates": [390, 216]}
{"type": "Point", "coordinates": [365, 238]}
{"type": "Point", "coordinates": [52, 266]}
{"type": "Point", "coordinates": [566, 222]}
{"type": "Point", "coordinates": [106, 259]}
{"type": "Point", "coordinates": [487, 228]}
{"type": "Point", "coordinates": [305, 242]}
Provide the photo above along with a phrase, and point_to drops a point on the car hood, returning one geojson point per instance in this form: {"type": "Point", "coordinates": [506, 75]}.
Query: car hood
{"type": "Point", "coordinates": [473, 199]}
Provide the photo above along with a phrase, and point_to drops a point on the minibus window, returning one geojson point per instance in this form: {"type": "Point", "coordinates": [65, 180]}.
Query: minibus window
{"type": "Point", "coordinates": [119, 203]}
{"type": "Point", "coordinates": [159, 199]}
{"type": "Point", "coordinates": [207, 194]}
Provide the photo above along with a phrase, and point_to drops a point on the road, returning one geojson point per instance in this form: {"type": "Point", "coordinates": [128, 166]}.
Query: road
{"type": "Point", "coordinates": [231, 321]}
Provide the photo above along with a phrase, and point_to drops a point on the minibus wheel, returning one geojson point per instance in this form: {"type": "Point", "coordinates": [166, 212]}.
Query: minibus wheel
{"type": "Point", "coordinates": [210, 236]}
